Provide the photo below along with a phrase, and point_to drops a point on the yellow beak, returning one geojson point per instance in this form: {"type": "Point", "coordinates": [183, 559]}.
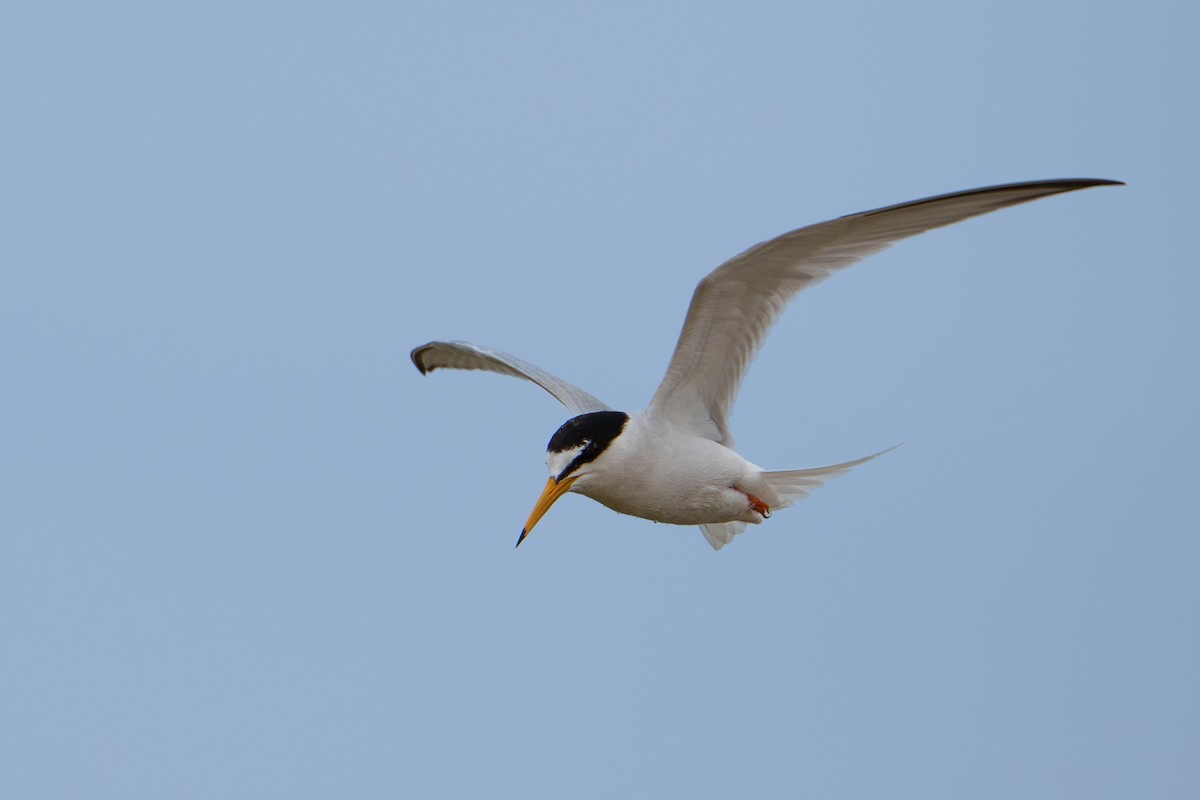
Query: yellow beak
{"type": "Point", "coordinates": [553, 491]}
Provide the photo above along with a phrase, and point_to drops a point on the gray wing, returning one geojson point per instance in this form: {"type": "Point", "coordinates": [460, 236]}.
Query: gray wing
{"type": "Point", "coordinates": [736, 304]}
{"type": "Point", "coordinates": [464, 355]}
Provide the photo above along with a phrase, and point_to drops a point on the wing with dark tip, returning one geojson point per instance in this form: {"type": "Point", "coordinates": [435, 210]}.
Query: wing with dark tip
{"type": "Point", "coordinates": [464, 355]}
{"type": "Point", "coordinates": [736, 304]}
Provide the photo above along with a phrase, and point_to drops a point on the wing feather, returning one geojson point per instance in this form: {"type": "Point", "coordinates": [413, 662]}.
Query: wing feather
{"type": "Point", "coordinates": [735, 305]}
{"type": "Point", "coordinates": [464, 355]}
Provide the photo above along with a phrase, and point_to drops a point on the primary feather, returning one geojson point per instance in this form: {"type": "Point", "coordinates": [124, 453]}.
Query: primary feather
{"type": "Point", "coordinates": [735, 305]}
{"type": "Point", "coordinates": [464, 355]}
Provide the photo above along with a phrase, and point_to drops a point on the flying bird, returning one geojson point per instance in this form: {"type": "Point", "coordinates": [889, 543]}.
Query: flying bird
{"type": "Point", "coordinates": [675, 461]}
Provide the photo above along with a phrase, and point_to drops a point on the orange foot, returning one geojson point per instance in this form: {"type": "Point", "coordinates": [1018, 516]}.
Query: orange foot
{"type": "Point", "coordinates": [757, 504]}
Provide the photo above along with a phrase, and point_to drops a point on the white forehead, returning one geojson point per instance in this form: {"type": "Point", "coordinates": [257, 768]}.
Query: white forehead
{"type": "Point", "coordinates": [557, 462]}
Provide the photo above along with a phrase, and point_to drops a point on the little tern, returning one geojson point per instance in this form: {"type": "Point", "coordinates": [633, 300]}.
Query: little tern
{"type": "Point", "coordinates": [675, 461]}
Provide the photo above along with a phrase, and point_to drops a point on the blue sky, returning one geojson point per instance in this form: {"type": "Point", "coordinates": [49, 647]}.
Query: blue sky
{"type": "Point", "coordinates": [247, 551]}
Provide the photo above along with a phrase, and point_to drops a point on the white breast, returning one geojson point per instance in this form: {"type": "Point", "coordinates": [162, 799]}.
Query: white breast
{"type": "Point", "coordinates": [663, 473]}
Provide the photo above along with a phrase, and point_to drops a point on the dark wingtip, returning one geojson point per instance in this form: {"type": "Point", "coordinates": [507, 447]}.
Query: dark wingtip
{"type": "Point", "coordinates": [1045, 188]}
{"type": "Point", "coordinates": [415, 355]}
{"type": "Point", "coordinates": [1087, 183]}
{"type": "Point", "coordinates": [1068, 184]}
{"type": "Point", "coordinates": [1094, 181]}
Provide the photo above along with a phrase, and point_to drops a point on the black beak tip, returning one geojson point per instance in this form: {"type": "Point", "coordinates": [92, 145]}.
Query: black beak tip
{"type": "Point", "coordinates": [521, 538]}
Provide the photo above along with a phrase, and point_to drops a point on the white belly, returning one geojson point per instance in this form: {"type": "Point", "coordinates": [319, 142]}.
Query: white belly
{"type": "Point", "coordinates": [669, 476]}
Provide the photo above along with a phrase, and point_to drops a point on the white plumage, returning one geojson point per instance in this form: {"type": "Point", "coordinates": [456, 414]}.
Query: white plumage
{"type": "Point", "coordinates": [675, 462]}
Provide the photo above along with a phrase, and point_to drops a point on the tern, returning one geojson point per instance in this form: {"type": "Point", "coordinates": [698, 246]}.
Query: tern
{"type": "Point", "coordinates": [675, 461]}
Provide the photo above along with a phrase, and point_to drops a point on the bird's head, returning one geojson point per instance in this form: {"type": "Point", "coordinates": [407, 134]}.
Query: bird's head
{"type": "Point", "coordinates": [569, 456]}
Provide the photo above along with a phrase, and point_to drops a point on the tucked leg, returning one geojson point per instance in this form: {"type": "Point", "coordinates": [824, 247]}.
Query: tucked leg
{"type": "Point", "coordinates": [757, 504]}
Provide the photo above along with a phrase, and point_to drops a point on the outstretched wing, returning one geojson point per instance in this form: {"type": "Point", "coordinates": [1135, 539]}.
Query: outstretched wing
{"type": "Point", "coordinates": [464, 355]}
{"type": "Point", "coordinates": [736, 304]}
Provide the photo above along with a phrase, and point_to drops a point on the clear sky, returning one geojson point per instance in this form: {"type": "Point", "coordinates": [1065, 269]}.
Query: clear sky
{"type": "Point", "coordinates": [247, 551]}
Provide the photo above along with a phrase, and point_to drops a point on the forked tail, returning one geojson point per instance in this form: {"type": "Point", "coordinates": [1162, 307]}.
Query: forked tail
{"type": "Point", "coordinates": [791, 485]}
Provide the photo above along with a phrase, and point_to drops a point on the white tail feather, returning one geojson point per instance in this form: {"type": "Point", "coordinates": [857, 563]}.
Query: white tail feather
{"type": "Point", "coordinates": [796, 484]}
{"type": "Point", "coordinates": [720, 534]}
{"type": "Point", "coordinates": [791, 485]}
